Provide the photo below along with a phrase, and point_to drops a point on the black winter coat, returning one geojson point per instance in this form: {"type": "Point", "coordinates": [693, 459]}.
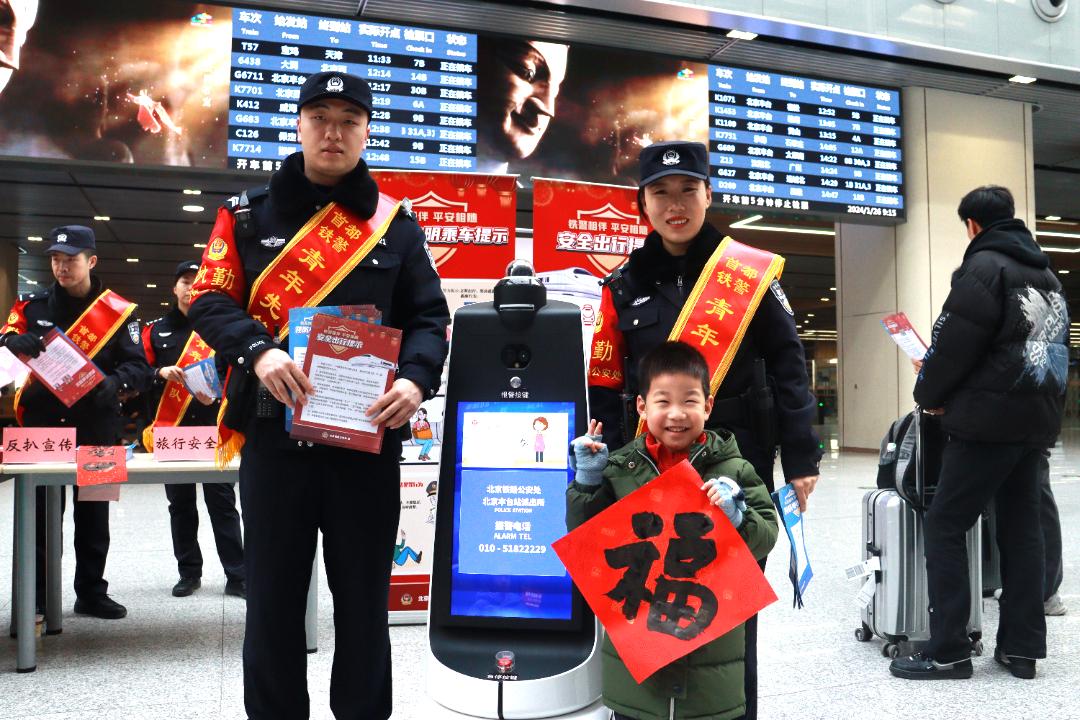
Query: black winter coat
{"type": "Point", "coordinates": [658, 285]}
{"type": "Point", "coordinates": [163, 341]}
{"type": "Point", "coordinates": [998, 359]}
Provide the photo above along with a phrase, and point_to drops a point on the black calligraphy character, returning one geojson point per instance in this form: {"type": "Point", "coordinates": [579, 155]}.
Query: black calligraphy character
{"type": "Point", "coordinates": [65, 445]}
{"type": "Point", "coordinates": [671, 612]}
{"type": "Point", "coordinates": [638, 559]}
{"type": "Point", "coordinates": [12, 446]}
{"type": "Point", "coordinates": [161, 443]}
{"type": "Point", "coordinates": [48, 445]}
{"type": "Point", "coordinates": [194, 443]}
{"type": "Point", "coordinates": [211, 443]}
{"type": "Point", "coordinates": [178, 443]}
{"type": "Point", "coordinates": [27, 444]}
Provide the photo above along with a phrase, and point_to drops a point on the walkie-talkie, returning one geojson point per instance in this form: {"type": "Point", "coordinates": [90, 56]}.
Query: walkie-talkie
{"type": "Point", "coordinates": [266, 405]}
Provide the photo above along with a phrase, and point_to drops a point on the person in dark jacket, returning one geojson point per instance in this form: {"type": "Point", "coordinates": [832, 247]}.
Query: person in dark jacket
{"type": "Point", "coordinates": [96, 416]}
{"type": "Point", "coordinates": [764, 399]}
{"type": "Point", "coordinates": [164, 341]}
{"type": "Point", "coordinates": [996, 372]}
{"type": "Point", "coordinates": [366, 252]}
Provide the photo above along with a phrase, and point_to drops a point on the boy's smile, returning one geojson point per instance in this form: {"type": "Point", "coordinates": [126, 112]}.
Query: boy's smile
{"type": "Point", "coordinates": [675, 409]}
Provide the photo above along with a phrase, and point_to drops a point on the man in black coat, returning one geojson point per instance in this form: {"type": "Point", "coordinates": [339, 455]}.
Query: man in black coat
{"type": "Point", "coordinates": [289, 489]}
{"type": "Point", "coordinates": [996, 372]}
{"type": "Point", "coordinates": [164, 341]}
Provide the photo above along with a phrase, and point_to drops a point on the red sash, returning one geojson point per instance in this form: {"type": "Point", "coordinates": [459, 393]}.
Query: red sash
{"type": "Point", "coordinates": [176, 398]}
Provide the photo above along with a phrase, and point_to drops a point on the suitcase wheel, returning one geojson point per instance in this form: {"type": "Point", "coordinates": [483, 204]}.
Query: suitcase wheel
{"type": "Point", "coordinates": [890, 650]}
{"type": "Point", "coordinates": [863, 634]}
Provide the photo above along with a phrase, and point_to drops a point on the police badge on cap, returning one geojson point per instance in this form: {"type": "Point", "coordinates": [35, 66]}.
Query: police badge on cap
{"type": "Point", "coordinates": [676, 157]}
{"type": "Point", "coordinates": [341, 86]}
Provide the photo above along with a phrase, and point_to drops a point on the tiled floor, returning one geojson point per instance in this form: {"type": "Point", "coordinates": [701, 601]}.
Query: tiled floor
{"type": "Point", "coordinates": [180, 658]}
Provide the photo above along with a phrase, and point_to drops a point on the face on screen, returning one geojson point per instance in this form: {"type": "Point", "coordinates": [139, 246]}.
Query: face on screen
{"type": "Point", "coordinates": [16, 19]}
{"type": "Point", "coordinates": [521, 102]}
{"type": "Point", "coordinates": [333, 134]}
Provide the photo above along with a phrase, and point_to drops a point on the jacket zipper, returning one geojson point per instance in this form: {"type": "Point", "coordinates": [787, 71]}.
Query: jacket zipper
{"type": "Point", "coordinates": [671, 714]}
{"type": "Point", "coordinates": [678, 284]}
{"type": "Point", "coordinates": [649, 460]}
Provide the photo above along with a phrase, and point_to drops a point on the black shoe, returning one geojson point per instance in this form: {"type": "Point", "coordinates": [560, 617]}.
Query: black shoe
{"type": "Point", "coordinates": [186, 586]}
{"type": "Point", "coordinates": [921, 667]}
{"type": "Point", "coordinates": [1020, 667]}
{"type": "Point", "coordinates": [102, 606]}
{"type": "Point", "coordinates": [236, 588]}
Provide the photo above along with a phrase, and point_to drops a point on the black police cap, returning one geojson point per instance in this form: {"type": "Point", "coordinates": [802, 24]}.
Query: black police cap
{"type": "Point", "coordinates": [336, 85]}
{"type": "Point", "coordinates": [71, 239]}
{"type": "Point", "coordinates": [676, 157]}
{"type": "Point", "coordinates": [186, 267]}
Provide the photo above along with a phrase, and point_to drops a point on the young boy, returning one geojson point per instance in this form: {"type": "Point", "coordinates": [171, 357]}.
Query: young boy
{"type": "Point", "coordinates": [675, 402]}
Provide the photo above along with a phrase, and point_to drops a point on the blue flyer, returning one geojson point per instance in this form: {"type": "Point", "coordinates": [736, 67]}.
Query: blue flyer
{"type": "Point", "coordinates": [799, 571]}
{"type": "Point", "coordinates": [201, 378]}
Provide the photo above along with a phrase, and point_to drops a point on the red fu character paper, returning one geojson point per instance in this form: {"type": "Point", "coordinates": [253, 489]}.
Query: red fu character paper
{"type": "Point", "coordinates": [665, 571]}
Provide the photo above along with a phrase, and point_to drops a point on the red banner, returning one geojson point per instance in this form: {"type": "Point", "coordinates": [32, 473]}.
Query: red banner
{"type": "Point", "coordinates": [668, 557]}
{"type": "Point", "coordinates": [469, 219]}
{"type": "Point", "coordinates": [586, 225]}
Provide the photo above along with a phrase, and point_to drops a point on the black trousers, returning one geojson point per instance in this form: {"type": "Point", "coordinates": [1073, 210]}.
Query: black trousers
{"type": "Point", "coordinates": [91, 545]}
{"type": "Point", "coordinates": [971, 475]}
{"type": "Point", "coordinates": [1050, 521]}
{"type": "Point", "coordinates": [287, 497]}
{"type": "Point", "coordinates": [220, 501]}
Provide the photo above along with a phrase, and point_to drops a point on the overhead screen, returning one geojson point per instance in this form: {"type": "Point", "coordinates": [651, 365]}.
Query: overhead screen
{"type": "Point", "coordinates": [193, 84]}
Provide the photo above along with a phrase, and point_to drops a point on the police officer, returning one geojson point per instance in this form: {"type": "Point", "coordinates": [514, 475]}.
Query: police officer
{"type": "Point", "coordinates": [95, 318]}
{"type": "Point", "coordinates": [764, 398]}
{"type": "Point", "coordinates": [290, 489]}
{"type": "Point", "coordinates": [164, 341]}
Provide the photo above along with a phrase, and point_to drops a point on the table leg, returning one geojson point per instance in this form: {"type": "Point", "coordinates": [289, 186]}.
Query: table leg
{"type": "Point", "coordinates": [311, 617]}
{"type": "Point", "coordinates": [53, 568]}
{"type": "Point", "coordinates": [25, 521]}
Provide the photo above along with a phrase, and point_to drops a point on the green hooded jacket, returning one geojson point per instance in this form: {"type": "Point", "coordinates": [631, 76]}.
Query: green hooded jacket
{"type": "Point", "coordinates": [707, 684]}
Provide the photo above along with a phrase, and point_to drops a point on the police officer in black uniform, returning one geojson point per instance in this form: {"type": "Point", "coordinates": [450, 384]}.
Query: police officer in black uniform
{"type": "Point", "coordinates": [95, 417]}
{"type": "Point", "coordinates": [765, 398]}
{"type": "Point", "coordinates": [289, 489]}
{"type": "Point", "coordinates": [164, 340]}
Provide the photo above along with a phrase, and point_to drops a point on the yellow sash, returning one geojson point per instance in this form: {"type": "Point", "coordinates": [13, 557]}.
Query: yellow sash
{"type": "Point", "coordinates": [321, 254]}
{"type": "Point", "coordinates": [721, 305]}
{"type": "Point", "coordinates": [176, 398]}
{"type": "Point", "coordinates": [91, 331]}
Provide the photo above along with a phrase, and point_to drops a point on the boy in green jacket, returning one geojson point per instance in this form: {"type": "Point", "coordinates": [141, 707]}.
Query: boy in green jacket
{"type": "Point", "coordinates": [707, 684]}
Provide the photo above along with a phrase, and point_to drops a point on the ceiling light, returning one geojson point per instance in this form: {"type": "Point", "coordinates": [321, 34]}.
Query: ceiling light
{"type": "Point", "coordinates": [133, 259]}
{"type": "Point", "coordinates": [31, 282]}
{"type": "Point", "coordinates": [34, 238]}
{"type": "Point", "coordinates": [164, 303]}
{"type": "Point", "coordinates": [832, 289]}
{"type": "Point", "coordinates": [833, 361]}
{"type": "Point", "coordinates": [809, 314]}
{"type": "Point", "coordinates": [1022, 79]}
{"type": "Point", "coordinates": [824, 299]}
{"type": "Point", "coordinates": [102, 218]}
{"type": "Point", "coordinates": [1063, 272]}
{"type": "Point", "coordinates": [199, 245]}
{"type": "Point", "coordinates": [741, 35]}
{"type": "Point", "coordinates": [1052, 218]}
{"type": "Point", "coordinates": [194, 208]}
{"type": "Point", "coordinates": [192, 191]}
{"type": "Point", "coordinates": [748, 224]}
{"type": "Point", "coordinates": [151, 285]}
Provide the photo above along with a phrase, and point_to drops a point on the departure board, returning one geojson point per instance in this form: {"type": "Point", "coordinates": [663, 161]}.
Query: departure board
{"type": "Point", "coordinates": [423, 82]}
{"type": "Point", "coordinates": [790, 143]}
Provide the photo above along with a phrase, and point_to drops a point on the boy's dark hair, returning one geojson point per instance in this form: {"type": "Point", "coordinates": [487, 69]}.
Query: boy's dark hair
{"type": "Point", "coordinates": [987, 205]}
{"type": "Point", "coordinates": [672, 358]}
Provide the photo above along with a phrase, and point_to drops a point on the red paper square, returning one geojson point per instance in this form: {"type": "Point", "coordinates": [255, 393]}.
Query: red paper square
{"type": "Point", "coordinates": [100, 465]}
{"type": "Point", "coordinates": [733, 577]}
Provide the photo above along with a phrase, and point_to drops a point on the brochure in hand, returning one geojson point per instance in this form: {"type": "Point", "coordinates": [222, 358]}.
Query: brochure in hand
{"type": "Point", "coordinates": [64, 368]}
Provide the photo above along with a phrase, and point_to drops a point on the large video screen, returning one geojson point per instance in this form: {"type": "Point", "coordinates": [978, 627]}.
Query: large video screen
{"type": "Point", "coordinates": [208, 85]}
{"type": "Point", "coordinates": [511, 474]}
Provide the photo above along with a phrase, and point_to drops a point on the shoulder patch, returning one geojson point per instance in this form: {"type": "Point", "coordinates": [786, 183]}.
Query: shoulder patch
{"type": "Point", "coordinates": [133, 332]}
{"type": "Point", "coordinates": [406, 209]}
{"type": "Point", "coordinates": [781, 296]}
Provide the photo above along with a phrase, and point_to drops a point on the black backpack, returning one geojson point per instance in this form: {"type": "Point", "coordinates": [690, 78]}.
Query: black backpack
{"type": "Point", "coordinates": [912, 440]}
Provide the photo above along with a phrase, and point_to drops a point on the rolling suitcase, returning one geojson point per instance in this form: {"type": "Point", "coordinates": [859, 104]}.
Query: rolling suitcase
{"type": "Point", "coordinates": [898, 611]}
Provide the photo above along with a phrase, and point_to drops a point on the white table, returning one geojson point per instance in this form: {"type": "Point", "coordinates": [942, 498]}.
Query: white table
{"type": "Point", "coordinates": [142, 470]}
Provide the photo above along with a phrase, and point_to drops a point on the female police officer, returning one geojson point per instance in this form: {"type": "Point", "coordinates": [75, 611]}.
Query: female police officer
{"type": "Point", "coordinates": [763, 398]}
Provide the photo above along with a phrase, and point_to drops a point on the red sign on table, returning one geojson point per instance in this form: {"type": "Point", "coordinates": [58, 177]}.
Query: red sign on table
{"type": "Point", "coordinates": [38, 445]}
{"type": "Point", "coordinates": [469, 219]}
{"type": "Point", "coordinates": [100, 465]}
{"type": "Point", "coordinates": [665, 571]}
{"type": "Point", "coordinates": [177, 442]}
{"type": "Point", "coordinates": [586, 225]}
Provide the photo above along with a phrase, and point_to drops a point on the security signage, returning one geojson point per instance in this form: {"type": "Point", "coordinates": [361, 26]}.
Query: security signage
{"type": "Point", "coordinates": [784, 142]}
{"type": "Point", "coordinates": [423, 82]}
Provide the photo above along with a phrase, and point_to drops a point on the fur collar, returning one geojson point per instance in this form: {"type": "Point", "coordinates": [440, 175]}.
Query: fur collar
{"type": "Point", "coordinates": [293, 194]}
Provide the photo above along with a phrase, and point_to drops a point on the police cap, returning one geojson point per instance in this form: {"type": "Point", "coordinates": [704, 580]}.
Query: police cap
{"type": "Point", "coordinates": [71, 239]}
{"type": "Point", "coordinates": [188, 266]}
{"type": "Point", "coordinates": [336, 85]}
{"type": "Point", "coordinates": [676, 157]}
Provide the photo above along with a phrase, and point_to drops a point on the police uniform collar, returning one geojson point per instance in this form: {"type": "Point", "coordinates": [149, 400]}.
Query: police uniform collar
{"type": "Point", "coordinates": [652, 263]}
{"type": "Point", "coordinates": [293, 194]}
{"type": "Point", "coordinates": [175, 319]}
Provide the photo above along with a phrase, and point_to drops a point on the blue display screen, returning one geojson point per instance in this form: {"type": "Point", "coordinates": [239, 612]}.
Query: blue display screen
{"type": "Point", "coordinates": [423, 81]}
{"type": "Point", "coordinates": [784, 142]}
{"type": "Point", "coordinates": [511, 473]}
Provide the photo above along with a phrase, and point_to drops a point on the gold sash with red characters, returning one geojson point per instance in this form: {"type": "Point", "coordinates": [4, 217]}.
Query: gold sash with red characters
{"type": "Point", "coordinates": [91, 331]}
{"type": "Point", "coordinates": [321, 254]}
{"type": "Point", "coordinates": [176, 398]}
{"type": "Point", "coordinates": [722, 303]}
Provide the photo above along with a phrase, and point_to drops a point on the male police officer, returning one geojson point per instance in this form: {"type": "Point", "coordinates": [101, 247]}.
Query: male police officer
{"type": "Point", "coordinates": [319, 234]}
{"type": "Point", "coordinates": [764, 398]}
{"type": "Point", "coordinates": [171, 345]}
{"type": "Point", "coordinates": [95, 319]}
